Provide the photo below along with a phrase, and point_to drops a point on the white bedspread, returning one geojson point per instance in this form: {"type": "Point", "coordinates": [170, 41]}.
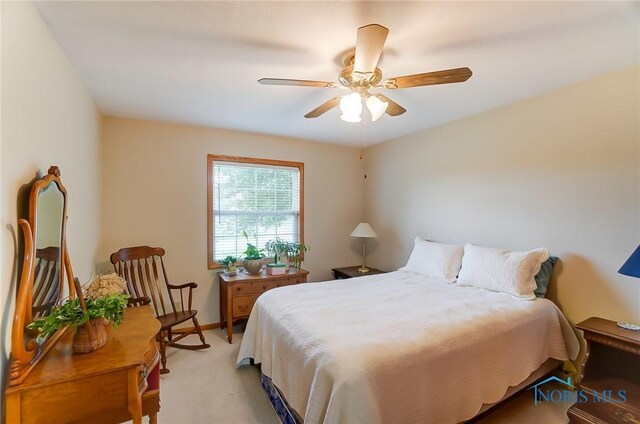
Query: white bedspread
{"type": "Point", "coordinates": [399, 347]}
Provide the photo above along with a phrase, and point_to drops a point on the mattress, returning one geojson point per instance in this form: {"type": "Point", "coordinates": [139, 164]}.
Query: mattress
{"type": "Point", "coordinates": [399, 347]}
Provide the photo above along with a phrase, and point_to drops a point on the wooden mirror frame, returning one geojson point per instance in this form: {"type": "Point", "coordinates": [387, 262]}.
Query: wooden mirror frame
{"type": "Point", "coordinates": [25, 352]}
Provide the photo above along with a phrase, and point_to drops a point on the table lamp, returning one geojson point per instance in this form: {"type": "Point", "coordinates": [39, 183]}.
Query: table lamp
{"type": "Point", "coordinates": [631, 268]}
{"type": "Point", "coordinates": [364, 231]}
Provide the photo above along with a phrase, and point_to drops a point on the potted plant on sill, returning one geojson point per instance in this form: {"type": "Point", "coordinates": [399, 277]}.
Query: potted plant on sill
{"type": "Point", "coordinates": [277, 248]}
{"type": "Point", "coordinates": [102, 305]}
{"type": "Point", "coordinates": [253, 257]}
{"type": "Point", "coordinates": [229, 265]}
{"type": "Point", "coordinates": [295, 251]}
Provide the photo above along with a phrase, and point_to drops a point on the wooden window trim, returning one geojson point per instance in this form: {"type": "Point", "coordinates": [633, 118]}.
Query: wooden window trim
{"type": "Point", "coordinates": [211, 264]}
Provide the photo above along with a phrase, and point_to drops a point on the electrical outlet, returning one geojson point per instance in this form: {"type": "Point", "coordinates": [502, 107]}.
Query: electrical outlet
{"type": "Point", "coordinates": [178, 305]}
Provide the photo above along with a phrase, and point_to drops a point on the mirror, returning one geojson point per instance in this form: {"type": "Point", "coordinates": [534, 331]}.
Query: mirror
{"type": "Point", "coordinates": [47, 282]}
{"type": "Point", "coordinates": [45, 267]}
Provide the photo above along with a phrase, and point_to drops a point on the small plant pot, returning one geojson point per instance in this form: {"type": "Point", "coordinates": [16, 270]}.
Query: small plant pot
{"type": "Point", "coordinates": [285, 260]}
{"type": "Point", "coordinates": [276, 269]}
{"type": "Point", "coordinates": [252, 266]}
{"type": "Point", "coordinates": [83, 343]}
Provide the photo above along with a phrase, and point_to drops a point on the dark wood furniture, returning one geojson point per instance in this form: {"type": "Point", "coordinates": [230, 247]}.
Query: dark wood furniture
{"type": "Point", "coordinates": [116, 383]}
{"type": "Point", "coordinates": [611, 362]}
{"type": "Point", "coordinates": [352, 271]}
{"type": "Point", "coordinates": [140, 267]}
{"type": "Point", "coordinates": [46, 284]}
{"type": "Point", "coordinates": [239, 293]}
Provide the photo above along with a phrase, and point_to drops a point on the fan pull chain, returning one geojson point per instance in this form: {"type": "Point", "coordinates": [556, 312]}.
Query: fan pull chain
{"type": "Point", "coordinates": [363, 145]}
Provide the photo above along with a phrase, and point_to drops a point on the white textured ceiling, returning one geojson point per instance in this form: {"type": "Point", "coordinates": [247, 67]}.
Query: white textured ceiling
{"type": "Point", "coordinates": [198, 62]}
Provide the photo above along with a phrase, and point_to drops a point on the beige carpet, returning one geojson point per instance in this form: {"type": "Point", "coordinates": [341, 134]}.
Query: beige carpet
{"type": "Point", "coordinates": [205, 387]}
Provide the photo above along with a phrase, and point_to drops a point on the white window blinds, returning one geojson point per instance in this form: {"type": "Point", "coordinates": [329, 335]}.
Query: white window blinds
{"type": "Point", "coordinates": [262, 200]}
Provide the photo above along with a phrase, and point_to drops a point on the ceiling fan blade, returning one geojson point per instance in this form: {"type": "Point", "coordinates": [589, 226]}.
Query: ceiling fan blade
{"type": "Point", "coordinates": [393, 109]}
{"type": "Point", "coordinates": [429, 78]}
{"type": "Point", "coordinates": [369, 44]}
{"type": "Point", "coordinates": [324, 107]}
{"type": "Point", "coordinates": [296, 82]}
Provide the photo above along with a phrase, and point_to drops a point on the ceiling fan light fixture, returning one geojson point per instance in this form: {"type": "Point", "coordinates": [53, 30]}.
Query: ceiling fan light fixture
{"type": "Point", "coordinates": [353, 118]}
{"type": "Point", "coordinates": [351, 104]}
{"type": "Point", "coordinates": [351, 107]}
{"type": "Point", "coordinates": [361, 74]}
{"type": "Point", "coordinates": [376, 106]}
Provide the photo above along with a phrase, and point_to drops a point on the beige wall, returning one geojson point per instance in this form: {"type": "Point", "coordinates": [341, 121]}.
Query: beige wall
{"type": "Point", "coordinates": [48, 119]}
{"type": "Point", "coordinates": [561, 170]}
{"type": "Point", "coordinates": [154, 188]}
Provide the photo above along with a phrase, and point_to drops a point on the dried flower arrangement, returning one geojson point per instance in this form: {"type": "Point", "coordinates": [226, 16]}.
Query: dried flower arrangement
{"type": "Point", "coordinates": [104, 285]}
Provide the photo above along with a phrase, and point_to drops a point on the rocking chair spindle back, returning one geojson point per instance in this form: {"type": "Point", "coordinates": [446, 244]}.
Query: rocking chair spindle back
{"type": "Point", "coordinates": [143, 269]}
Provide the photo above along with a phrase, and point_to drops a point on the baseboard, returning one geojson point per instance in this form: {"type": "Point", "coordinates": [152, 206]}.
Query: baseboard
{"type": "Point", "coordinates": [191, 329]}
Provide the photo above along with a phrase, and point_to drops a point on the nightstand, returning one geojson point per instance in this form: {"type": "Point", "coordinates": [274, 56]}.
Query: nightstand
{"type": "Point", "coordinates": [611, 363]}
{"type": "Point", "coordinates": [352, 271]}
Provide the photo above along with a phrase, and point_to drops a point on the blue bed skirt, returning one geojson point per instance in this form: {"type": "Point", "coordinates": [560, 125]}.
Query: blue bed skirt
{"type": "Point", "coordinates": [284, 412]}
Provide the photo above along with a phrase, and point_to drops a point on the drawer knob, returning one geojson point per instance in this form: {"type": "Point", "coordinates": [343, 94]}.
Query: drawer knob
{"type": "Point", "coordinates": [144, 372]}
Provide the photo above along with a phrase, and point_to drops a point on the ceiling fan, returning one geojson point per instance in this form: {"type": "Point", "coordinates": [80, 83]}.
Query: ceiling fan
{"type": "Point", "coordinates": [361, 74]}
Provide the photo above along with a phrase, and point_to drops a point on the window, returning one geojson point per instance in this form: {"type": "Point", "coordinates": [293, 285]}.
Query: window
{"type": "Point", "coordinates": [262, 197]}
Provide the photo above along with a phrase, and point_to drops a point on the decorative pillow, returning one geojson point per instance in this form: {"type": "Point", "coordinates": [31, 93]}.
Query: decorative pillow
{"type": "Point", "coordinates": [543, 277]}
{"type": "Point", "coordinates": [437, 260]}
{"type": "Point", "coordinates": [501, 269]}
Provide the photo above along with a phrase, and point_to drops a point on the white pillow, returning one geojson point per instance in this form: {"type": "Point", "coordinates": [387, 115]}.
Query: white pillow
{"type": "Point", "coordinates": [501, 269]}
{"type": "Point", "coordinates": [437, 260]}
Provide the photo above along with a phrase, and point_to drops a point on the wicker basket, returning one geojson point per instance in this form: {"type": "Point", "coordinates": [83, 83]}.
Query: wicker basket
{"type": "Point", "coordinates": [82, 341]}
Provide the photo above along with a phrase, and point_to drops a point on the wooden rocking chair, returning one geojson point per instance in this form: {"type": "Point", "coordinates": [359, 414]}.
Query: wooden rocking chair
{"type": "Point", "coordinates": [46, 281]}
{"type": "Point", "coordinates": [139, 267]}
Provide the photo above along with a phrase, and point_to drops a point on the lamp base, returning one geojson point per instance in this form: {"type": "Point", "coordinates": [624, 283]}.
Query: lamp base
{"type": "Point", "coordinates": [363, 270]}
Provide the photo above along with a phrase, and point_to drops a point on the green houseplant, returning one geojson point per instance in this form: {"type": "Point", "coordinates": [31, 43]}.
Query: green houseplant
{"type": "Point", "coordinates": [253, 257]}
{"type": "Point", "coordinates": [291, 251]}
{"type": "Point", "coordinates": [230, 264]}
{"type": "Point", "coordinates": [105, 303]}
{"type": "Point", "coordinates": [295, 252]}
{"type": "Point", "coordinates": [70, 314]}
{"type": "Point", "coordinates": [278, 248]}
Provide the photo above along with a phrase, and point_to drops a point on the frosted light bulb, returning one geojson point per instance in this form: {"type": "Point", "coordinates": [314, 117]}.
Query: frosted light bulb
{"type": "Point", "coordinates": [376, 106]}
{"type": "Point", "coordinates": [351, 107]}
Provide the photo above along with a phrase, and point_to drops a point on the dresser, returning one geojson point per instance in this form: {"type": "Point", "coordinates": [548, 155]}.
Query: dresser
{"type": "Point", "coordinates": [239, 293]}
{"type": "Point", "coordinates": [116, 383]}
{"type": "Point", "coordinates": [611, 364]}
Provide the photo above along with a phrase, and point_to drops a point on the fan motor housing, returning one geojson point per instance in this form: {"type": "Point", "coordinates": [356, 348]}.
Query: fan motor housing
{"type": "Point", "coordinates": [351, 79]}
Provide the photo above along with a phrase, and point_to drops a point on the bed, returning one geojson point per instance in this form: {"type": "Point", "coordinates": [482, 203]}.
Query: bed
{"type": "Point", "coordinates": [399, 347]}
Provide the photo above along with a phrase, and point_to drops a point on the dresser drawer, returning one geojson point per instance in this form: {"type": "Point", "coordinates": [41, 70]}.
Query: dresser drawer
{"type": "Point", "coordinates": [242, 305]}
{"type": "Point", "coordinates": [258, 287]}
{"type": "Point", "coordinates": [292, 280]}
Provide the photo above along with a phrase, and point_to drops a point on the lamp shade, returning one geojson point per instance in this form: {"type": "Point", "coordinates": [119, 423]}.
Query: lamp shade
{"type": "Point", "coordinates": [376, 106]}
{"type": "Point", "coordinates": [351, 107]}
{"type": "Point", "coordinates": [363, 230]}
{"type": "Point", "coordinates": [632, 266]}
